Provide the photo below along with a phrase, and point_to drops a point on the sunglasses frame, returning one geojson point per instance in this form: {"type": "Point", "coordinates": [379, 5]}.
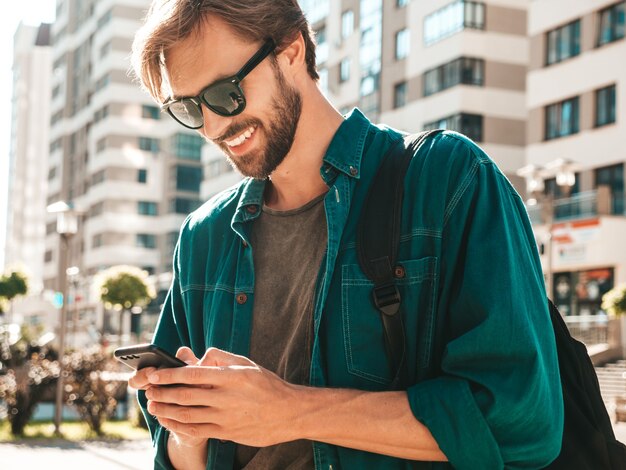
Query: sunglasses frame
{"type": "Point", "coordinates": [266, 49]}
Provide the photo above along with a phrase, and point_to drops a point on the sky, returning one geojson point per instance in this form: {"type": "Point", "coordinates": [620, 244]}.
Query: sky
{"type": "Point", "coordinates": [32, 12]}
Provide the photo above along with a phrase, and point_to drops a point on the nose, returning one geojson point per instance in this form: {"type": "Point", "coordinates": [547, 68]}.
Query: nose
{"type": "Point", "coordinates": [214, 124]}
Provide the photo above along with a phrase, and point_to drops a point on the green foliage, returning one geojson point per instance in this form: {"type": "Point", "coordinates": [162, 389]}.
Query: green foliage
{"type": "Point", "coordinates": [614, 301]}
{"type": "Point", "coordinates": [13, 285]}
{"type": "Point", "coordinates": [29, 374]}
{"type": "Point", "coordinates": [125, 289]}
{"type": "Point", "coordinates": [92, 387]}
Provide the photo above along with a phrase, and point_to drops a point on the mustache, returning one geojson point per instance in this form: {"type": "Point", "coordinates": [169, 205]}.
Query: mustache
{"type": "Point", "coordinates": [237, 129]}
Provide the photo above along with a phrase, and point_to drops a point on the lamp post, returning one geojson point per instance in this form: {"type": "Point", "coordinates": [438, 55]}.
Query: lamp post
{"type": "Point", "coordinates": [564, 173]}
{"type": "Point", "coordinates": [67, 227]}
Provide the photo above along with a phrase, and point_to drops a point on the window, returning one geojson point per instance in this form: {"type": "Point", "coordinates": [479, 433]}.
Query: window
{"type": "Point", "coordinates": [403, 43]}
{"type": "Point", "coordinates": [97, 241]}
{"type": "Point", "coordinates": [344, 70]}
{"type": "Point", "coordinates": [47, 257]}
{"type": "Point", "coordinates": [321, 49]}
{"type": "Point", "coordinates": [101, 145]}
{"type": "Point", "coordinates": [469, 124]}
{"type": "Point", "coordinates": [104, 19]}
{"type": "Point", "coordinates": [52, 173]}
{"type": "Point", "coordinates": [216, 168]}
{"type": "Point", "coordinates": [102, 82]}
{"type": "Point", "coordinates": [149, 144]}
{"type": "Point", "coordinates": [101, 114]}
{"type": "Point", "coordinates": [150, 112]}
{"type": "Point", "coordinates": [315, 10]}
{"type": "Point", "coordinates": [562, 119]}
{"type": "Point", "coordinates": [563, 43]}
{"type": "Point", "coordinates": [145, 240]}
{"type": "Point", "coordinates": [142, 176]}
{"type": "Point", "coordinates": [323, 81]}
{"type": "Point", "coordinates": [98, 177]}
{"type": "Point", "coordinates": [147, 208]}
{"type": "Point", "coordinates": [188, 178]}
{"type": "Point", "coordinates": [613, 177]}
{"type": "Point", "coordinates": [183, 206]}
{"type": "Point", "coordinates": [611, 24]}
{"type": "Point", "coordinates": [399, 94]}
{"type": "Point", "coordinates": [402, 3]}
{"type": "Point", "coordinates": [347, 24]}
{"type": "Point", "coordinates": [464, 71]}
{"type": "Point", "coordinates": [187, 146]}
{"type": "Point", "coordinates": [97, 209]}
{"type": "Point", "coordinates": [105, 49]}
{"type": "Point", "coordinates": [453, 18]}
{"type": "Point", "coordinates": [605, 106]}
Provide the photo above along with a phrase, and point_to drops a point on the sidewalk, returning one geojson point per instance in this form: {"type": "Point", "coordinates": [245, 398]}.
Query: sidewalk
{"type": "Point", "coordinates": [91, 455]}
{"type": "Point", "coordinates": [101, 455]}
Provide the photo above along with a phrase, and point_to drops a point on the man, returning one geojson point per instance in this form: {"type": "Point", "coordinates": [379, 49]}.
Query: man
{"type": "Point", "coordinates": [268, 306]}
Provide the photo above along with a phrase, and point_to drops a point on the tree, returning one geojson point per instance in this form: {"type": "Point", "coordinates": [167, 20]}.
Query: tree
{"type": "Point", "coordinates": [11, 286]}
{"type": "Point", "coordinates": [30, 372]}
{"type": "Point", "coordinates": [125, 287]}
{"type": "Point", "coordinates": [93, 387]}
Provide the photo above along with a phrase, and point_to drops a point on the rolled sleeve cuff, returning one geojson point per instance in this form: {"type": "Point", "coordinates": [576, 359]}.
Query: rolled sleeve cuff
{"type": "Point", "coordinates": [447, 408]}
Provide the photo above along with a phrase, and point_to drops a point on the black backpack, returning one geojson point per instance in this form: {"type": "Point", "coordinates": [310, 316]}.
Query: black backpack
{"type": "Point", "coordinates": [588, 438]}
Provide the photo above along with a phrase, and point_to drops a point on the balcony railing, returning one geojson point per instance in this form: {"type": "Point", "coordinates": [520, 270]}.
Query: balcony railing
{"type": "Point", "coordinates": [579, 206]}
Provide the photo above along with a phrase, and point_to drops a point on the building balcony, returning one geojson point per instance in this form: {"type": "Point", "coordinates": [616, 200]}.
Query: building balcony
{"type": "Point", "coordinates": [584, 205]}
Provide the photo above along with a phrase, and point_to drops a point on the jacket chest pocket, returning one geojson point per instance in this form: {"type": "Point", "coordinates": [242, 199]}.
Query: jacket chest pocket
{"type": "Point", "coordinates": [363, 331]}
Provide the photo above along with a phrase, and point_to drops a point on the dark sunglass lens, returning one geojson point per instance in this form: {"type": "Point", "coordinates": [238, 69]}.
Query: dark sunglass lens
{"type": "Point", "coordinates": [187, 113]}
{"type": "Point", "coordinates": [224, 98]}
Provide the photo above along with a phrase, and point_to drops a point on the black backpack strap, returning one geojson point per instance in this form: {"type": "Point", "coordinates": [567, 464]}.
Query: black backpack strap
{"type": "Point", "coordinates": [378, 238]}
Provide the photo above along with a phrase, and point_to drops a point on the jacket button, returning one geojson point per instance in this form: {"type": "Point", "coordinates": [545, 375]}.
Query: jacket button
{"type": "Point", "coordinates": [252, 209]}
{"type": "Point", "coordinates": [399, 271]}
{"type": "Point", "coordinates": [353, 171]}
{"type": "Point", "coordinates": [242, 299]}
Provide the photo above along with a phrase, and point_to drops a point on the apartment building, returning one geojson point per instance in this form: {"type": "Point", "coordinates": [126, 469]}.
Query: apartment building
{"type": "Point", "coordinates": [28, 155]}
{"type": "Point", "coordinates": [418, 65]}
{"type": "Point", "coordinates": [132, 171]}
{"type": "Point", "coordinates": [577, 123]}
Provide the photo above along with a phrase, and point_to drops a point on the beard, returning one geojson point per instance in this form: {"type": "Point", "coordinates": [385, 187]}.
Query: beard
{"type": "Point", "coordinates": [280, 133]}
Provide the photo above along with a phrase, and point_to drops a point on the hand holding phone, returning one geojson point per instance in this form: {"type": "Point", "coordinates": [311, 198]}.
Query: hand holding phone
{"type": "Point", "coordinates": [146, 355]}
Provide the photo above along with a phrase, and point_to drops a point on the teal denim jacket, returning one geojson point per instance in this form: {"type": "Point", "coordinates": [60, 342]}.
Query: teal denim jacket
{"type": "Point", "coordinates": [491, 395]}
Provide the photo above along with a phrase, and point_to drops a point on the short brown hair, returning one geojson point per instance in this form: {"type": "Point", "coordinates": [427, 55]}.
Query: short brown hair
{"type": "Point", "coordinates": [170, 21]}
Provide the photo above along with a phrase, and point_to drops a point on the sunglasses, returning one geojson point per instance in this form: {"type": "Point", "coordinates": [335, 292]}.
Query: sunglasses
{"type": "Point", "coordinates": [224, 97]}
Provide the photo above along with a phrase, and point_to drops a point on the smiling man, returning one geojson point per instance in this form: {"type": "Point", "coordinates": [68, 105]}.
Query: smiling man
{"type": "Point", "coordinates": [268, 305]}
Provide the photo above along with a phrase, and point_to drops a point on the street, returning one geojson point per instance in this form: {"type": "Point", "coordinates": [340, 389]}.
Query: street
{"type": "Point", "coordinates": [93, 455]}
{"type": "Point", "coordinates": [101, 455]}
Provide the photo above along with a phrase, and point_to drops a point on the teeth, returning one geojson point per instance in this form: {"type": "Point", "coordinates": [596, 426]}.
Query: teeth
{"type": "Point", "coordinates": [241, 138]}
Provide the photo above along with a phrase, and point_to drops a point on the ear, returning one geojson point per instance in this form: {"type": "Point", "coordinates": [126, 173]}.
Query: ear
{"type": "Point", "coordinates": [293, 56]}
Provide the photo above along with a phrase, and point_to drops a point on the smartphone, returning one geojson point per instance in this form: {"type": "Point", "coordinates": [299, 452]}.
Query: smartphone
{"type": "Point", "coordinates": [147, 355]}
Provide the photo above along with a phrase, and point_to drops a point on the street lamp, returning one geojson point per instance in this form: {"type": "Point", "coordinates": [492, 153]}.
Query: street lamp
{"type": "Point", "coordinates": [67, 227]}
{"type": "Point", "coordinates": [563, 171]}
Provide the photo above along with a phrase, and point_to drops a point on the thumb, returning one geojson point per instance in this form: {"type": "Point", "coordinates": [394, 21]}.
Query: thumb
{"type": "Point", "coordinates": [218, 357]}
{"type": "Point", "coordinates": [186, 355]}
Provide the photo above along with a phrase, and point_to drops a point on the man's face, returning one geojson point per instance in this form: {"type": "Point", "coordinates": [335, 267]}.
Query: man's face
{"type": "Point", "coordinates": [257, 140]}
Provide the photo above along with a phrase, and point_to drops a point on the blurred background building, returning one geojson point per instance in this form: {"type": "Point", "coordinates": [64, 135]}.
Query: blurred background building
{"type": "Point", "coordinates": [536, 83]}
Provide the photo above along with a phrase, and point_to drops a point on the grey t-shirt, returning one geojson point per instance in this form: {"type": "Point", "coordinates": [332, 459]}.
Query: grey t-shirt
{"type": "Point", "coordinates": [288, 247]}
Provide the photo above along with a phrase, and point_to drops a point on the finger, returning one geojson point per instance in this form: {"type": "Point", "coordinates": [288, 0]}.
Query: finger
{"type": "Point", "coordinates": [197, 375]}
{"type": "Point", "coordinates": [186, 396]}
{"type": "Point", "coordinates": [186, 355]}
{"type": "Point", "coordinates": [206, 430]}
{"type": "Point", "coordinates": [219, 357]}
{"type": "Point", "coordinates": [139, 380]}
{"type": "Point", "coordinates": [182, 414]}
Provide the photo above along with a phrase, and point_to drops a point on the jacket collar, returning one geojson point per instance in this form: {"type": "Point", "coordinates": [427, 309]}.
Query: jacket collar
{"type": "Point", "coordinates": [344, 154]}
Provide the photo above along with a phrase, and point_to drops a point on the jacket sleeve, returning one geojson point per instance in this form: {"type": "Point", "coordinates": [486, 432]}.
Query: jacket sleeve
{"type": "Point", "coordinates": [168, 336]}
{"type": "Point", "coordinates": [498, 400]}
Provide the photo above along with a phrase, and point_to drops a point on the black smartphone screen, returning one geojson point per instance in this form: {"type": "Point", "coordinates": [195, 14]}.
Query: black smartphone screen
{"type": "Point", "coordinates": [146, 355]}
